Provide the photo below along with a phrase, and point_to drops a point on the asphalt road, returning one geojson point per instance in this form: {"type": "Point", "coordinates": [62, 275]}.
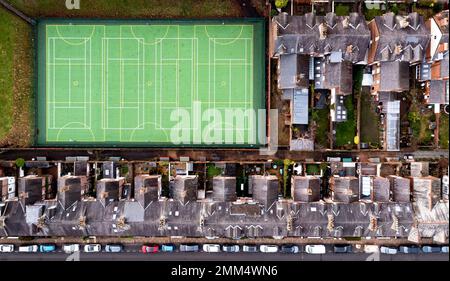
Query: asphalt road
{"type": "Point", "coordinates": [178, 256]}
{"type": "Point", "coordinates": [132, 253]}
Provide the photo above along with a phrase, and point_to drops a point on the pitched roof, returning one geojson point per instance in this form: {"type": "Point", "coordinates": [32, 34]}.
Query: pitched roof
{"type": "Point", "coordinates": [294, 71]}
{"type": "Point", "coordinates": [401, 38]}
{"type": "Point", "coordinates": [311, 34]}
{"type": "Point", "coordinates": [394, 76]}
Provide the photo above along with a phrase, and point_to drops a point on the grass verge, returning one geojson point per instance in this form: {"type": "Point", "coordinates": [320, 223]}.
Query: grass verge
{"type": "Point", "coordinates": [131, 8]}
{"type": "Point", "coordinates": [15, 81]}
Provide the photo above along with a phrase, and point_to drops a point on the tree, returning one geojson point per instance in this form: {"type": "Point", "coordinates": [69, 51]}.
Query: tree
{"type": "Point", "coordinates": [315, 115]}
{"type": "Point", "coordinates": [20, 162]}
{"type": "Point", "coordinates": [281, 3]}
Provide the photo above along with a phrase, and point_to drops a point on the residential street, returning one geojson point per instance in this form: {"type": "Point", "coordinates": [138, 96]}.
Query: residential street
{"type": "Point", "coordinates": [134, 255]}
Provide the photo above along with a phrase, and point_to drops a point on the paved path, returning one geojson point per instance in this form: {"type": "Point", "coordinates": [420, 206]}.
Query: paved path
{"type": "Point", "coordinates": [201, 154]}
{"type": "Point", "coordinates": [20, 14]}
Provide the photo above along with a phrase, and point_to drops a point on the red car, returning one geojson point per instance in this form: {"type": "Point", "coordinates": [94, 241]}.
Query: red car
{"type": "Point", "coordinates": [150, 248]}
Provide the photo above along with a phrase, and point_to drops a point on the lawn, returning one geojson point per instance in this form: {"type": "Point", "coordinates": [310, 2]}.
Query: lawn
{"type": "Point", "coordinates": [15, 81]}
{"type": "Point", "coordinates": [443, 131]}
{"type": "Point", "coordinates": [131, 8]}
{"type": "Point", "coordinates": [321, 118]}
{"type": "Point", "coordinates": [369, 119]}
{"type": "Point", "coordinates": [345, 131]}
{"type": "Point", "coordinates": [419, 123]}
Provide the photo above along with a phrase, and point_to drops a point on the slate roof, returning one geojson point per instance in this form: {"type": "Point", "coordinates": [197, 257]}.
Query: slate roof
{"type": "Point", "coordinates": [301, 34]}
{"type": "Point", "coordinates": [394, 76]}
{"type": "Point", "coordinates": [344, 189]}
{"type": "Point", "coordinates": [439, 91]}
{"type": "Point", "coordinates": [401, 191]}
{"type": "Point", "coordinates": [294, 71]}
{"type": "Point", "coordinates": [305, 189]}
{"type": "Point", "coordinates": [337, 75]}
{"type": "Point", "coordinates": [222, 219]}
{"type": "Point", "coordinates": [408, 43]}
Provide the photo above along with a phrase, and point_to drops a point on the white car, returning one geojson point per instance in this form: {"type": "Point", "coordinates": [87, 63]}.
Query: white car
{"type": "Point", "coordinates": [315, 249]}
{"type": "Point", "coordinates": [28, 249]}
{"type": "Point", "coordinates": [371, 249]}
{"type": "Point", "coordinates": [71, 248]}
{"type": "Point", "coordinates": [92, 248]}
{"type": "Point", "coordinates": [268, 248]}
{"type": "Point", "coordinates": [211, 248]}
{"type": "Point", "coordinates": [6, 248]}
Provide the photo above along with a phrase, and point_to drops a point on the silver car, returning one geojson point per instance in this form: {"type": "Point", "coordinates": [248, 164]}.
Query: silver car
{"type": "Point", "coordinates": [189, 248]}
{"type": "Point", "coordinates": [113, 248]}
{"type": "Point", "coordinates": [388, 250]}
{"type": "Point", "coordinates": [250, 248]}
{"type": "Point", "coordinates": [230, 248]}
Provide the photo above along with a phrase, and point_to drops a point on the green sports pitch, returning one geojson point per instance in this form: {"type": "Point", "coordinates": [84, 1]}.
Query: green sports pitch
{"type": "Point", "coordinates": [149, 83]}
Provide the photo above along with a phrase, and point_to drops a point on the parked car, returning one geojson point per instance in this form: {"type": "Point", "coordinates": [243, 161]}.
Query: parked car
{"type": "Point", "coordinates": [71, 248]}
{"type": "Point", "coordinates": [315, 249]}
{"type": "Point", "coordinates": [409, 249]}
{"type": "Point", "coordinates": [113, 248]}
{"type": "Point", "coordinates": [230, 248]}
{"type": "Point", "coordinates": [371, 249]}
{"type": "Point", "coordinates": [92, 248]}
{"type": "Point", "coordinates": [6, 248]}
{"type": "Point", "coordinates": [431, 249]}
{"type": "Point", "coordinates": [189, 248]}
{"type": "Point", "coordinates": [28, 249]}
{"type": "Point", "coordinates": [250, 248]}
{"type": "Point", "coordinates": [150, 248]}
{"type": "Point", "coordinates": [342, 249]}
{"type": "Point", "coordinates": [444, 249]}
{"type": "Point", "coordinates": [211, 248]}
{"type": "Point", "coordinates": [168, 248]}
{"type": "Point", "coordinates": [268, 248]}
{"type": "Point", "coordinates": [290, 249]}
{"type": "Point", "coordinates": [47, 248]}
{"type": "Point", "coordinates": [388, 250]}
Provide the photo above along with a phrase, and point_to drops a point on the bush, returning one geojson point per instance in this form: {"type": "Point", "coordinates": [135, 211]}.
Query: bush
{"type": "Point", "coordinates": [213, 171]}
{"type": "Point", "coordinates": [20, 162]}
{"type": "Point", "coordinates": [342, 10]}
{"type": "Point", "coordinates": [281, 3]}
{"type": "Point", "coordinates": [372, 13]}
{"type": "Point", "coordinates": [313, 169]}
